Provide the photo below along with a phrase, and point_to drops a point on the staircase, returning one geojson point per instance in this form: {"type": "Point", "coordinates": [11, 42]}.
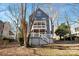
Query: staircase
{"type": "Point", "coordinates": [46, 38]}
{"type": "Point", "coordinates": [42, 40]}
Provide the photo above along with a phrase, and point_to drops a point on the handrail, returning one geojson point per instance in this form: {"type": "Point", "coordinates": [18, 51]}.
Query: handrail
{"type": "Point", "coordinates": [39, 27]}
{"type": "Point", "coordinates": [44, 37]}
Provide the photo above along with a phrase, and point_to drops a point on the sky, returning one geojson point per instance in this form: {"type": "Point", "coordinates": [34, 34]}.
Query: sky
{"type": "Point", "coordinates": [70, 10]}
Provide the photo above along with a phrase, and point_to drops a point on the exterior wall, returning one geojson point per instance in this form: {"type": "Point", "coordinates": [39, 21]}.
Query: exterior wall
{"type": "Point", "coordinates": [48, 27]}
{"type": "Point", "coordinates": [40, 27]}
{"type": "Point", "coordinates": [6, 29]}
{"type": "Point", "coordinates": [39, 15]}
{"type": "Point", "coordinates": [12, 36]}
{"type": "Point", "coordinates": [37, 41]}
{"type": "Point", "coordinates": [75, 31]}
{"type": "Point", "coordinates": [39, 24]}
{"type": "Point", "coordinates": [1, 27]}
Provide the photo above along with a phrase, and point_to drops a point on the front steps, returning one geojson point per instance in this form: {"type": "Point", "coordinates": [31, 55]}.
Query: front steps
{"type": "Point", "coordinates": [38, 41]}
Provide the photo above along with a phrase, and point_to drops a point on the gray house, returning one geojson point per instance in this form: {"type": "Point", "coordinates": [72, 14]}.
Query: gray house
{"type": "Point", "coordinates": [1, 28]}
{"type": "Point", "coordinates": [40, 33]}
{"type": "Point", "coordinates": [5, 30]}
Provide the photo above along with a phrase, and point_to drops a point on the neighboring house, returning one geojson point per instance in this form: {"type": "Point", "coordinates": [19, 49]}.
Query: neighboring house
{"type": "Point", "coordinates": [1, 28]}
{"type": "Point", "coordinates": [76, 31]}
{"type": "Point", "coordinates": [5, 30]}
{"type": "Point", "coordinates": [12, 35]}
{"type": "Point", "coordinates": [40, 29]}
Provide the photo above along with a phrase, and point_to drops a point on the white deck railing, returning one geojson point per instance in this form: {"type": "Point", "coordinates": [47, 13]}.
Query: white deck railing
{"type": "Point", "coordinates": [36, 34]}
{"type": "Point", "coordinates": [39, 35]}
{"type": "Point", "coordinates": [39, 27]}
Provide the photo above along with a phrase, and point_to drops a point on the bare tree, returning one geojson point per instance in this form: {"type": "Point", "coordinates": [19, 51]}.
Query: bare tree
{"type": "Point", "coordinates": [67, 18]}
{"type": "Point", "coordinates": [32, 22]}
{"type": "Point", "coordinates": [24, 23]}
{"type": "Point", "coordinates": [53, 15]}
{"type": "Point", "coordinates": [74, 11]}
{"type": "Point", "coordinates": [14, 17]}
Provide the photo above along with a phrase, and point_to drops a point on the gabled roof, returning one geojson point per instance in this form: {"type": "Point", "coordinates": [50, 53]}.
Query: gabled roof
{"type": "Point", "coordinates": [35, 13]}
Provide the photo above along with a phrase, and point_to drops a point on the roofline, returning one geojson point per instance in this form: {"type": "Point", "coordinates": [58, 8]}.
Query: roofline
{"type": "Point", "coordinates": [40, 10]}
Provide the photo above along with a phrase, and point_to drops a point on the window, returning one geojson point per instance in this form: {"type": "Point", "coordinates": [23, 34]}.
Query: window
{"type": "Point", "coordinates": [39, 23]}
{"type": "Point", "coordinates": [35, 23]}
{"type": "Point", "coordinates": [38, 13]}
{"type": "Point", "coordinates": [43, 18]}
{"type": "Point", "coordinates": [43, 23]}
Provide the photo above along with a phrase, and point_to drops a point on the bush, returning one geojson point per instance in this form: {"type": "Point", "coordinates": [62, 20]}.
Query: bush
{"type": "Point", "coordinates": [5, 41]}
{"type": "Point", "coordinates": [8, 39]}
{"type": "Point", "coordinates": [21, 41]}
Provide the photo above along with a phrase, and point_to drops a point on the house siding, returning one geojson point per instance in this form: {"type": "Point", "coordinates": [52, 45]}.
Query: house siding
{"type": "Point", "coordinates": [1, 27]}
{"type": "Point", "coordinates": [37, 39]}
{"type": "Point", "coordinates": [6, 30]}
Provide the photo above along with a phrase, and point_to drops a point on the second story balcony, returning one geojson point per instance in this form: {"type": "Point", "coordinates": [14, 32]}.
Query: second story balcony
{"type": "Point", "coordinates": [39, 27]}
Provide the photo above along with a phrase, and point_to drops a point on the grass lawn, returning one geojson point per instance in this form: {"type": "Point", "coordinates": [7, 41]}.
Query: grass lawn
{"type": "Point", "coordinates": [19, 51]}
{"type": "Point", "coordinates": [13, 49]}
{"type": "Point", "coordinates": [56, 52]}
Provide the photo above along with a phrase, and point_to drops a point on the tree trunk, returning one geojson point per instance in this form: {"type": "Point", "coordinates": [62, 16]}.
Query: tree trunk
{"type": "Point", "coordinates": [24, 24]}
{"type": "Point", "coordinates": [60, 37]}
{"type": "Point", "coordinates": [24, 27]}
{"type": "Point", "coordinates": [64, 38]}
{"type": "Point", "coordinates": [17, 34]}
